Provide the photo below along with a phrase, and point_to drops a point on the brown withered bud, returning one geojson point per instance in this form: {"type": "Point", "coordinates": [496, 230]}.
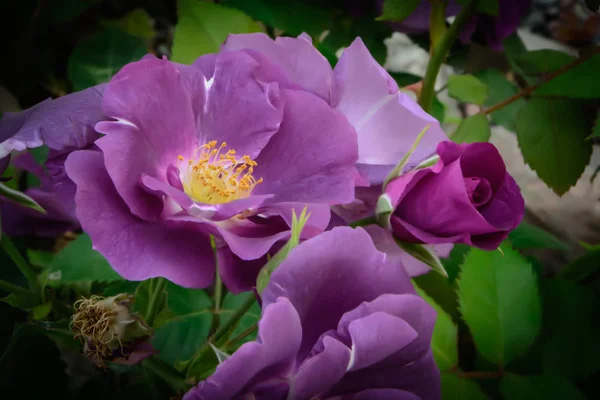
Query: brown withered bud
{"type": "Point", "coordinates": [110, 331]}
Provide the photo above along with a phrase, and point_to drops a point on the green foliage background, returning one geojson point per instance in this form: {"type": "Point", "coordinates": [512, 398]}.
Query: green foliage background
{"type": "Point", "coordinates": [507, 327]}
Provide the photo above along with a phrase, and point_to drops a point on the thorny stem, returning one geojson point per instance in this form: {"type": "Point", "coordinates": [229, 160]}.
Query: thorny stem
{"type": "Point", "coordinates": [221, 332]}
{"type": "Point", "coordinates": [153, 303]}
{"type": "Point", "coordinates": [21, 263]}
{"type": "Point", "coordinates": [242, 335]}
{"type": "Point", "coordinates": [169, 374]}
{"type": "Point", "coordinates": [545, 79]}
{"type": "Point", "coordinates": [440, 52]}
{"type": "Point", "coordinates": [217, 292]}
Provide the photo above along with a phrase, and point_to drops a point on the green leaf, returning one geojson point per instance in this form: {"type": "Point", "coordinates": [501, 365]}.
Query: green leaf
{"type": "Point", "coordinates": [467, 89]}
{"type": "Point", "coordinates": [454, 260]}
{"type": "Point", "coordinates": [578, 82]}
{"type": "Point", "coordinates": [143, 293]}
{"type": "Point", "coordinates": [596, 129]}
{"type": "Point", "coordinates": [79, 262]}
{"type": "Point", "coordinates": [514, 48]}
{"type": "Point", "coordinates": [501, 89]}
{"type": "Point", "coordinates": [23, 301]}
{"type": "Point", "coordinates": [41, 311]}
{"type": "Point", "coordinates": [489, 7]}
{"type": "Point", "coordinates": [582, 268]}
{"type": "Point", "coordinates": [456, 388]}
{"type": "Point", "coordinates": [444, 342]}
{"type": "Point", "coordinates": [97, 59]}
{"type": "Point", "coordinates": [499, 301]}
{"type": "Point", "coordinates": [423, 254]}
{"type": "Point", "coordinates": [233, 302]}
{"type": "Point", "coordinates": [19, 198]}
{"type": "Point", "coordinates": [265, 273]}
{"type": "Point", "coordinates": [398, 10]}
{"type": "Point", "coordinates": [526, 236]}
{"type": "Point", "coordinates": [540, 387]}
{"type": "Point", "coordinates": [441, 291]}
{"type": "Point", "coordinates": [570, 315]}
{"type": "Point", "coordinates": [204, 26]}
{"type": "Point", "coordinates": [556, 130]}
{"type": "Point", "coordinates": [184, 324]}
{"type": "Point", "coordinates": [40, 258]}
{"type": "Point", "coordinates": [291, 16]}
{"type": "Point", "coordinates": [137, 23]}
{"type": "Point", "coordinates": [542, 61]}
{"type": "Point", "coordinates": [475, 128]}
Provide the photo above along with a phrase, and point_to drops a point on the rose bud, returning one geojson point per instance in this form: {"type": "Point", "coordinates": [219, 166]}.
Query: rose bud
{"type": "Point", "coordinates": [467, 197]}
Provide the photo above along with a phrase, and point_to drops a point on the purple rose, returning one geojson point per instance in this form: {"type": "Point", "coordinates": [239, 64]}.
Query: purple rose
{"type": "Point", "coordinates": [467, 197]}
{"type": "Point", "coordinates": [494, 29]}
{"type": "Point", "coordinates": [228, 147]}
{"type": "Point", "coordinates": [339, 321]}
{"type": "Point", "coordinates": [64, 124]}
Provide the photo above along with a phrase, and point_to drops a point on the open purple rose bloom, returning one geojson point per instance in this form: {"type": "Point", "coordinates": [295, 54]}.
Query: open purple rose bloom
{"type": "Point", "coordinates": [316, 341]}
{"type": "Point", "coordinates": [493, 29]}
{"type": "Point", "coordinates": [228, 147]}
{"type": "Point", "coordinates": [467, 197]}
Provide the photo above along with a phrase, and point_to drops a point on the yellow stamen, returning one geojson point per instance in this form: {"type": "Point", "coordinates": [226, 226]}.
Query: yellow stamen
{"type": "Point", "coordinates": [215, 177]}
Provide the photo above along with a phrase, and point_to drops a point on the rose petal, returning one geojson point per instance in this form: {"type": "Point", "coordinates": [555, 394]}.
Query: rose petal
{"type": "Point", "coordinates": [376, 337]}
{"type": "Point", "coordinates": [297, 57]}
{"type": "Point", "coordinates": [64, 123]}
{"type": "Point", "coordinates": [323, 270]}
{"type": "Point", "coordinates": [387, 121]}
{"type": "Point", "coordinates": [240, 109]}
{"type": "Point", "coordinates": [322, 371]}
{"type": "Point", "coordinates": [155, 124]}
{"type": "Point", "coordinates": [272, 355]}
{"type": "Point", "coordinates": [301, 163]}
{"type": "Point", "coordinates": [136, 249]}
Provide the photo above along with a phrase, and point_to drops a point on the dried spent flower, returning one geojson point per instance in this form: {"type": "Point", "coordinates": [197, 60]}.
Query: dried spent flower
{"type": "Point", "coordinates": [110, 331]}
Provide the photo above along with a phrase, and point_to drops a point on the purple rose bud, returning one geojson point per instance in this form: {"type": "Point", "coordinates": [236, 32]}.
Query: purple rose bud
{"type": "Point", "coordinates": [467, 197]}
{"type": "Point", "coordinates": [110, 331]}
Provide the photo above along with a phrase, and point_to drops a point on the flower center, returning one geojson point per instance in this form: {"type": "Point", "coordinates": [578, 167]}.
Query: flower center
{"type": "Point", "coordinates": [215, 177]}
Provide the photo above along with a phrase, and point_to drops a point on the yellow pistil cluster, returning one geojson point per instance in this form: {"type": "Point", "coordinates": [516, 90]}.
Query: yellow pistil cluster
{"type": "Point", "coordinates": [216, 177]}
